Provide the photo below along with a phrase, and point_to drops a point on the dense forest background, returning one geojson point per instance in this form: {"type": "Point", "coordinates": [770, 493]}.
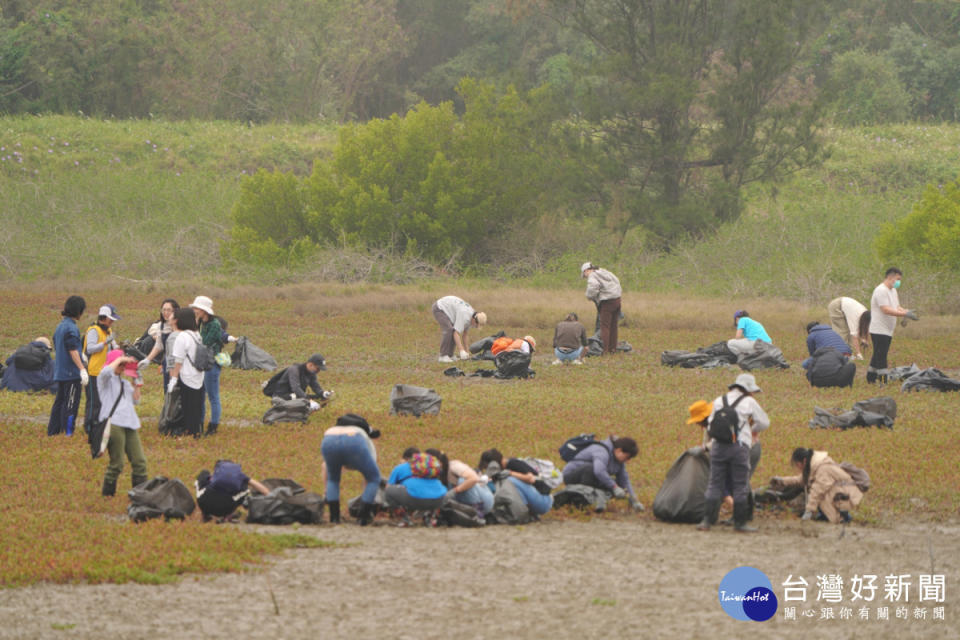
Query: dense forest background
{"type": "Point", "coordinates": [497, 134]}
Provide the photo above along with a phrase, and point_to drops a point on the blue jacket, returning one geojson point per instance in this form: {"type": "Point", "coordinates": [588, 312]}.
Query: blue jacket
{"type": "Point", "coordinates": [823, 336]}
{"type": "Point", "coordinates": [66, 339]}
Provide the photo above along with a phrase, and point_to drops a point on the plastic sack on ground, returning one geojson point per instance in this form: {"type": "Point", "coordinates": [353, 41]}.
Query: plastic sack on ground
{"type": "Point", "coordinates": [681, 496]}
{"type": "Point", "coordinates": [158, 497]}
{"type": "Point", "coordinates": [247, 355]}
{"type": "Point", "coordinates": [406, 399]}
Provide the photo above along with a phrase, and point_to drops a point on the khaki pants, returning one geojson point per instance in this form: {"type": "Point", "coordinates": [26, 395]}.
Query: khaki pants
{"type": "Point", "coordinates": [124, 441]}
{"type": "Point", "coordinates": [838, 322]}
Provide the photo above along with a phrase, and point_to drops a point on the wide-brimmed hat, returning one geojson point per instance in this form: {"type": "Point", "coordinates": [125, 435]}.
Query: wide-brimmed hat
{"type": "Point", "coordinates": [481, 318]}
{"type": "Point", "coordinates": [585, 266]}
{"type": "Point", "coordinates": [318, 361]}
{"type": "Point", "coordinates": [109, 311]}
{"type": "Point", "coordinates": [533, 343]}
{"type": "Point", "coordinates": [747, 382]}
{"type": "Point", "coordinates": [699, 411]}
{"type": "Point", "coordinates": [44, 340]}
{"type": "Point", "coordinates": [203, 303]}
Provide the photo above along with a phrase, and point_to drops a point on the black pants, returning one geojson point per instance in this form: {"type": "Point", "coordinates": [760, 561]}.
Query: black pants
{"type": "Point", "coordinates": [92, 413]}
{"type": "Point", "coordinates": [66, 405]}
{"type": "Point", "coordinates": [881, 346]}
{"type": "Point", "coordinates": [192, 402]}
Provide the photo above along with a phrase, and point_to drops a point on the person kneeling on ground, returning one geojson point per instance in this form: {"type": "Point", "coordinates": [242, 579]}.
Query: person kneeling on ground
{"type": "Point", "coordinates": [30, 368]}
{"type": "Point", "coordinates": [748, 332]}
{"type": "Point", "coordinates": [535, 492]}
{"type": "Point", "coordinates": [736, 417]}
{"type": "Point", "coordinates": [831, 492]}
{"type": "Point", "coordinates": [296, 378]}
{"type": "Point", "coordinates": [603, 466]}
{"type": "Point", "coordinates": [220, 494]}
{"type": "Point", "coordinates": [118, 399]}
{"type": "Point", "coordinates": [569, 340]}
{"type": "Point", "coordinates": [464, 484]}
{"type": "Point", "coordinates": [406, 491]}
{"type": "Point", "coordinates": [349, 444]}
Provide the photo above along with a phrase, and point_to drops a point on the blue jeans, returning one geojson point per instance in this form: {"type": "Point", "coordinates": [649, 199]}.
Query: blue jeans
{"type": "Point", "coordinates": [567, 357]}
{"type": "Point", "coordinates": [211, 384]}
{"type": "Point", "coordinates": [478, 496]}
{"type": "Point", "coordinates": [537, 502]}
{"type": "Point", "coordinates": [352, 452]}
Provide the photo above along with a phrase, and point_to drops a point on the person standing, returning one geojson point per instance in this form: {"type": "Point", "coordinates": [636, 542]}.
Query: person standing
{"type": "Point", "coordinates": [569, 340]}
{"type": "Point", "coordinates": [68, 370]}
{"type": "Point", "coordinates": [604, 290]}
{"type": "Point", "coordinates": [120, 398]}
{"type": "Point", "coordinates": [455, 317]}
{"type": "Point", "coordinates": [730, 461]}
{"type": "Point", "coordinates": [160, 331]}
{"type": "Point", "coordinates": [211, 334]}
{"type": "Point", "coordinates": [97, 342]}
{"type": "Point", "coordinates": [851, 320]}
{"type": "Point", "coordinates": [183, 352]}
{"type": "Point", "coordinates": [884, 310]}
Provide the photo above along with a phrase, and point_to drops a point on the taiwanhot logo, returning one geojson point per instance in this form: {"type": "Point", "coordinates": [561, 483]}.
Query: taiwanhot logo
{"type": "Point", "coordinates": [746, 593]}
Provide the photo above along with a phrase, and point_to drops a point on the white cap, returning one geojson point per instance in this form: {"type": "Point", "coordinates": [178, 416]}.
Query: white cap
{"type": "Point", "coordinates": [109, 311]}
{"type": "Point", "coordinates": [585, 266]}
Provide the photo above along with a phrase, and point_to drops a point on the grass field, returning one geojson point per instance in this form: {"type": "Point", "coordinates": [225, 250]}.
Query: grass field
{"type": "Point", "coordinates": [56, 527]}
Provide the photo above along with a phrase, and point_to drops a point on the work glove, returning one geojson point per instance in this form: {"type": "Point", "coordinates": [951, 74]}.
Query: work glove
{"type": "Point", "coordinates": [464, 355]}
{"type": "Point", "coordinates": [293, 396]}
{"type": "Point", "coordinates": [910, 315]}
{"type": "Point", "coordinates": [143, 364]}
{"type": "Point", "coordinates": [314, 405]}
{"type": "Point", "coordinates": [231, 338]}
{"type": "Point", "coordinates": [618, 492]}
{"type": "Point", "coordinates": [807, 515]}
{"type": "Point", "coordinates": [328, 394]}
{"type": "Point", "coordinates": [636, 505]}
{"type": "Point", "coordinates": [84, 377]}
{"type": "Point", "coordinates": [172, 384]}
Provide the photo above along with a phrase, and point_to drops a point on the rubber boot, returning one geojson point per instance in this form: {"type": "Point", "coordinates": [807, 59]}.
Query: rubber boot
{"type": "Point", "coordinates": [711, 509]}
{"type": "Point", "coordinates": [367, 511]}
{"type": "Point", "coordinates": [211, 429]}
{"type": "Point", "coordinates": [334, 511]}
{"type": "Point", "coordinates": [109, 488]}
{"type": "Point", "coordinates": [136, 481]}
{"type": "Point", "coordinates": [741, 513]}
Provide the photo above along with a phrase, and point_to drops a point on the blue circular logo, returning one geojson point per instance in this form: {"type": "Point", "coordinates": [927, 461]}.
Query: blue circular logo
{"type": "Point", "coordinates": [746, 593]}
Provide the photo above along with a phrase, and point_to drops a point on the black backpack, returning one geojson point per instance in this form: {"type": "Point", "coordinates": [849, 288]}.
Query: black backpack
{"type": "Point", "coordinates": [271, 387]}
{"type": "Point", "coordinates": [725, 422]}
{"type": "Point", "coordinates": [576, 444]}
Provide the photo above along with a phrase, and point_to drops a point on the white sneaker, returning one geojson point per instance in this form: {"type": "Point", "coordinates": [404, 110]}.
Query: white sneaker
{"type": "Point", "coordinates": [445, 359]}
{"type": "Point", "coordinates": [557, 361]}
{"type": "Point", "coordinates": [578, 362]}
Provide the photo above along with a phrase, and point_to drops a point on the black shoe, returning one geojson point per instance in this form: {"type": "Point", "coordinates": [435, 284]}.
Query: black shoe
{"type": "Point", "coordinates": [136, 481]}
{"type": "Point", "coordinates": [109, 488]}
{"type": "Point", "coordinates": [741, 512]}
{"type": "Point", "coordinates": [211, 429]}
{"type": "Point", "coordinates": [367, 512]}
{"type": "Point", "coordinates": [334, 511]}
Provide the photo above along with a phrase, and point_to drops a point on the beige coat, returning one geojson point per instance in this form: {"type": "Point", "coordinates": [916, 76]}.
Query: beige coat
{"type": "Point", "coordinates": [829, 488]}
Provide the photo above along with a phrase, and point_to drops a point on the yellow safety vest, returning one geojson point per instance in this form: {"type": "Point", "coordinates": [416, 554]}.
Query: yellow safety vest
{"type": "Point", "coordinates": [96, 361]}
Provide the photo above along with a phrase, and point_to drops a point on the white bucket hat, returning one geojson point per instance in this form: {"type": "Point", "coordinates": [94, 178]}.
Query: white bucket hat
{"type": "Point", "coordinates": [747, 382]}
{"type": "Point", "coordinates": [203, 303]}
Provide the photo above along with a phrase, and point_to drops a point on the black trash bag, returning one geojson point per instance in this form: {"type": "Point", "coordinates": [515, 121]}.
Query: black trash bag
{"type": "Point", "coordinates": [286, 410]}
{"type": "Point", "coordinates": [681, 496]}
{"type": "Point", "coordinates": [481, 348]}
{"type": "Point", "coordinates": [899, 373]}
{"type": "Point", "coordinates": [287, 502]}
{"type": "Point", "coordinates": [513, 364]}
{"type": "Point", "coordinates": [508, 504]}
{"type": "Point", "coordinates": [454, 372]}
{"type": "Point", "coordinates": [16, 379]}
{"type": "Point", "coordinates": [171, 414]}
{"type": "Point", "coordinates": [930, 380]}
{"type": "Point", "coordinates": [763, 356]}
{"type": "Point", "coordinates": [716, 355]}
{"type": "Point", "coordinates": [31, 357]}
{"type": "Point", "coordinates": [406, 399]}
{"type": "Point", "coordinates": [354, 505]}
{"type": "Point", "coordinates": [457, 514]}
{"type": "Point", "coordinates": [160, 496]}
{"type": "Point", "coordinates": [830, 368]}
{"type": "Point", "coordinates": [247, 355]}
{"type": "Point", "coordinates": [879, 412]}
{"type": "Point", "coordinates": [144, 345]}
{"type": "Point", "coordinates": [581, 496]}
{"type": "Point", "coordinates": [595, 345]}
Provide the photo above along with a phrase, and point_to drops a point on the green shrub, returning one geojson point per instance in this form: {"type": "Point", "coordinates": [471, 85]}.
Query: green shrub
{"type": "Point", "coordinates": [868, 90]}
{"type": "Point", "coordinates": [930, 235]}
